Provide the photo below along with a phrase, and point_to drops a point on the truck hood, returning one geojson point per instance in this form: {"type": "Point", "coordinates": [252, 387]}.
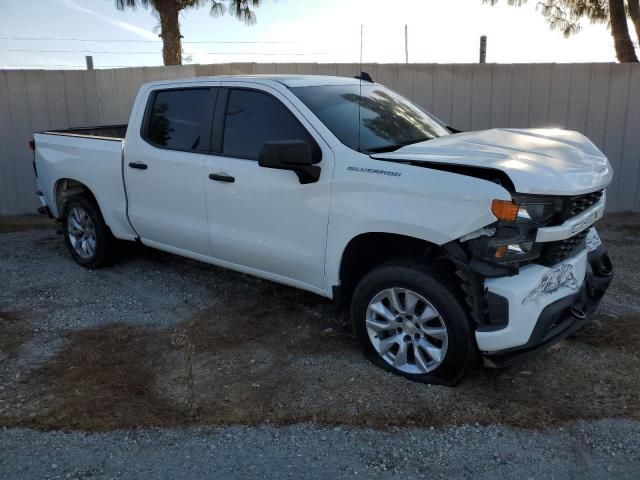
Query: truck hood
{"type": "Point", "coordinates": [538, 161]}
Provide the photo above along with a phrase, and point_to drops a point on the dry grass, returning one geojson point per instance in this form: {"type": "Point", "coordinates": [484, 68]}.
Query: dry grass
{"type": "Point", "coordinates": [25, 222]}
{"type": "Point", "coordinates": [103, 379]}
{"type": "Point", "coordinates": [14, 332]}
{"type": "Point", "coordinates": [254, 364]}
{"type": "Point", "coordinates": [613, 332]}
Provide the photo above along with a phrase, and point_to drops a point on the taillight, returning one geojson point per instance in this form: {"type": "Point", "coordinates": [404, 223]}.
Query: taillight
{"type": "Point", "coordinates": [32, 145]}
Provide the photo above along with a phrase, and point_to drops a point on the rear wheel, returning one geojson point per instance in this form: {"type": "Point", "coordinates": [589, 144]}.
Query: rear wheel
{"type": "Point", "coordinates": [411, 324]}
{"type": "Point", "coordinates": [87, 236]}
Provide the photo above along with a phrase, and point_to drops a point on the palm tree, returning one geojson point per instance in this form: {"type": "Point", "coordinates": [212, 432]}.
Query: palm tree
{"type": "Point", "coordinates": [565, 15]}
{"type": "Point", "coordinates": [169, 11]}
{"type": "Point", "coordinates": [625, 50]}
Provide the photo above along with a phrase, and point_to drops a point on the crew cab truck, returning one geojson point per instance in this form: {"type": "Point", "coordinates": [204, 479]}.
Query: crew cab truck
{"type": "Point", "coordinates": [447, 245]}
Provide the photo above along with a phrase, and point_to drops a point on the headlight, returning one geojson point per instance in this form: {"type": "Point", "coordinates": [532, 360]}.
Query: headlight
{"type": "Point", "coordinates": [539, 212]}
{"type": "Point", "coordinates": [516, 228]}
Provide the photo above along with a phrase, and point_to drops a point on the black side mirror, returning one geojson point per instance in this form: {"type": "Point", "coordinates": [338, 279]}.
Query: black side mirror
{"type": "Point", "coordinates": [292, 155]}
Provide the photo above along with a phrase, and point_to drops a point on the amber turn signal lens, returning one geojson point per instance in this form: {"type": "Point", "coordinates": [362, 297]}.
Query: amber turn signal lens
{"type": "Point", "coordinates": [504, 210]}
{"type": "Point", "coordinates": [501, 251]}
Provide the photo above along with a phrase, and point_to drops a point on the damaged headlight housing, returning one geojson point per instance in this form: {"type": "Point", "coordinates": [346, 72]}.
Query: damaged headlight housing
{"type": "Point", "coordinates": [537, 211]}
{"type": "Point", "coordinates": [516, 228]}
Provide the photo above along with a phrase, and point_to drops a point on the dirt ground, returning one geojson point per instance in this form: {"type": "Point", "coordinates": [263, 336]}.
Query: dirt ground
{"type": "Point", "coordinates": [158, 340]}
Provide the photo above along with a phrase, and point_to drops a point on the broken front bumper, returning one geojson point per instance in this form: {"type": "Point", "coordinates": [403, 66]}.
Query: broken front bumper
{"type": "Point", "coordinates": [542, 305]}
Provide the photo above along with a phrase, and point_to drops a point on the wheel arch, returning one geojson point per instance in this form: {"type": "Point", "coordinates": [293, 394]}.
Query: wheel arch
{"type": "Point", "coordinates": [366, 251]}
{"type": "Point", "coordinates": [65, 188]}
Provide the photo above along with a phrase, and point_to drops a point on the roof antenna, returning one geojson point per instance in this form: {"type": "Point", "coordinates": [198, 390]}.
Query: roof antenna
{"type": "Point", "coordinates": [360, 97]}
{"type": "Point", "coordinates": [363, 75]}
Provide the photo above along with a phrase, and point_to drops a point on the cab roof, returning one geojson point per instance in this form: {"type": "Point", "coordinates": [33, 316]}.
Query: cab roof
{"type": "Point", "coordinates": [286, 80]}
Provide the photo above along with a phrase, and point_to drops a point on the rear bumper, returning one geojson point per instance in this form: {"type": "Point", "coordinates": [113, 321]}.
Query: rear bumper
{"type": "Point", "coordinates": [43, 209]}
{"type": "Point", "coordinates": [558, 318]}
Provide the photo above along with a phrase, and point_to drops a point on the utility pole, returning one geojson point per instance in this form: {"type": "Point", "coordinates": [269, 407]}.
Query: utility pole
{"type": "Point", "coordinates": [361, 35]}
{"type": "Point", "coordinates": [406, 44]}
{"type": "Point", "coordinates": [89, 60]}
{"type": "Point", "coordinates": [483, 49]}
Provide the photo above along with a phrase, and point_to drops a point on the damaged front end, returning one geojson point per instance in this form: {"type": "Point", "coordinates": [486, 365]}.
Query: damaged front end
{"type": "Point", "coordinates": [534, 276]}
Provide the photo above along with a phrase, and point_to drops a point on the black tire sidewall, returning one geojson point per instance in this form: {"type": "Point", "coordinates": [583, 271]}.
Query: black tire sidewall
{"type": "Point", "coordinates": [461, 347]}
{"type": "Point", "coordinates": [103, 235]}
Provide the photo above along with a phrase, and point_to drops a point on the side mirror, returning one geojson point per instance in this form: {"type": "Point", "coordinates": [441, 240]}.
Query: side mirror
{"type": "Point", "coordinates": [294, 155]}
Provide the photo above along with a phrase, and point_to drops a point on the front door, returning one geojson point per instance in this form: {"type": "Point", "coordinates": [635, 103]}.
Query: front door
{"type": "Point", "coordinates": [259, 218]}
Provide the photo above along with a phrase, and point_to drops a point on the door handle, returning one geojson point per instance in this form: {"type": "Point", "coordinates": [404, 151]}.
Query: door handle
{"type": "Point", "coordinates": [138, 165]}
{"type": "Point", "coordinates": [222, 177]}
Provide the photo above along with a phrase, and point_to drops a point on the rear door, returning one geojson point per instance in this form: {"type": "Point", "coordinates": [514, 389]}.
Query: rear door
{"type": "Point", "coordinates": [165, 169]}
{"type": "Point", "coordinates": [263, 219]}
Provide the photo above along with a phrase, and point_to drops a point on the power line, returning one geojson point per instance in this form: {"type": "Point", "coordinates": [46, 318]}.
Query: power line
{"type": "Point", "coordinates": [157, 53]}
{"type": "Point", "coordinates": [135, 41]}
{"type": "Point", "coordinates": [82, 51]}
{"type": "Point", "coordinates": [75, 66]}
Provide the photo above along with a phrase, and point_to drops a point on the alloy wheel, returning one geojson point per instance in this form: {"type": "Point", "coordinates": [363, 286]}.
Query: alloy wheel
{"type": "Point", "coordinates": [406, 330]}
{"type": "Point", "coordinates": [81, 232]}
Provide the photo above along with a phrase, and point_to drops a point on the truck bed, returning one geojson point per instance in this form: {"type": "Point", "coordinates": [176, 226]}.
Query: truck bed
{"type": "Point", "coordinates": [90, 157]}
{"type": "Point", "coordinates": [116, 132]}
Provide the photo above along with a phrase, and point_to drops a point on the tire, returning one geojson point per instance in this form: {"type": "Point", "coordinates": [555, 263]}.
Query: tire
{"type": "Point", "coordinates": [436, 322]}
{"type": "Point", "coordinates": [87, 236]}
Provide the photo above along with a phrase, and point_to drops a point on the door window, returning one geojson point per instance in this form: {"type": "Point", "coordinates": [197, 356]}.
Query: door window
{"type": "Point", "coordinates": [175, 118]}
{"type": "Point", "coordinates": [253, 118]}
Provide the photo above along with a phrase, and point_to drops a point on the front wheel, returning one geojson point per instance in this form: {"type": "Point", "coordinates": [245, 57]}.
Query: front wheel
{"type": "Point", "coordinates": [87, 236]}
{"type": "Point", "coordinates": [411, 324]}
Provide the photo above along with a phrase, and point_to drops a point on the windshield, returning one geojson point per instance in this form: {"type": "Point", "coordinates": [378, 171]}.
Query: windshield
{"type": "Point", "coordinates": [387, 120]}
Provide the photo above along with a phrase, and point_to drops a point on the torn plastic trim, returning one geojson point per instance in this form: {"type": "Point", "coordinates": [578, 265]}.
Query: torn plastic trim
{"type": "Point", "coordinates": [486, 231]}
{"type": "Point", "coordinates": [471, 283]}
{"type": "Point", "coordinates": [472, 272]}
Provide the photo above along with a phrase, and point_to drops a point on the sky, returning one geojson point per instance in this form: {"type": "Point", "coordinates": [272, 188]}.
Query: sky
{"type": "Point", "coordinates": [59, 33]}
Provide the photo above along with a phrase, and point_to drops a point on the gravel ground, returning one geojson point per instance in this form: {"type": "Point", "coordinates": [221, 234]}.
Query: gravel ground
{"type": "Point", "coordinates": [604, 449]}
{"type": "Point", "coordinates": [147, 362]}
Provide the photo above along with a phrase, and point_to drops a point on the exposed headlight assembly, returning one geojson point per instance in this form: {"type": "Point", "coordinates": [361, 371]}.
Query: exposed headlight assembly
{"type": "Point", "coordinates": [516, 229]}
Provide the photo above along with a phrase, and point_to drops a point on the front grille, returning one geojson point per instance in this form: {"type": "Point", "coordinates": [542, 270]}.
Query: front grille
{"type": "Point", "coordinates": [572, 206]}
{"type": "Point", "coordinates": [554, 252]}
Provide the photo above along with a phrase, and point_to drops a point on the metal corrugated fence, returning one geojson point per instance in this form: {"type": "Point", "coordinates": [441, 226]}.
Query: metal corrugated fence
{"type": "Point", "coordinates": [600, 100]}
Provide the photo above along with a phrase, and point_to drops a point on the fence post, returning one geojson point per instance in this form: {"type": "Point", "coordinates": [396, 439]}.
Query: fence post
{"type": "Point", "coordinates": [483, 49]}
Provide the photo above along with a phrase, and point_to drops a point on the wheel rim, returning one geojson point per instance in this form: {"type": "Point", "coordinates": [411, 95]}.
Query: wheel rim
{"type": "Point", "coordinates": [407, 331]}
{"type": "Point", "coordinates": [81, 233]}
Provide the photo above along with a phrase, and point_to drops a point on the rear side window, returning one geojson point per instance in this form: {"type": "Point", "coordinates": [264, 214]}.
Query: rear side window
{"type": "Point", "coordinates": [253, 118]}
{"type": "Point", "coordinates": [175, 119]}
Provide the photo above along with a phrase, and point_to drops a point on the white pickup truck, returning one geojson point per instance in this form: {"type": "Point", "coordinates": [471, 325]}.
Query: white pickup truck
{"type": "Point", "coordinates": [447, 245]}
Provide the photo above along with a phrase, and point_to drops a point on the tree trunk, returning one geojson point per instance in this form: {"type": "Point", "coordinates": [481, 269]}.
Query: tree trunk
{"type": "Point", "coordinates": [170, 31]}
{"type": "Point", "coordinates": [634, 13]}
{"type": "Point", "coordinates": [625, 50]}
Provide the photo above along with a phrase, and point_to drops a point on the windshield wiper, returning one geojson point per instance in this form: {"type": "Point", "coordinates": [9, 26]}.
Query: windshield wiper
{"type": "Point", "coordinates": [393, 146]}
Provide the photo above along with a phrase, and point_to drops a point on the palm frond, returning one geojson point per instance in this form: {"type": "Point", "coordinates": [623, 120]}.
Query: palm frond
{"type": "Point", "coordinates": [512, 3]}
{"type": "Point", "coordinates": [217, 8]}
{"type": "Point", "coordinates": [122, 4]}
{"type": "Point", "coordinates": [242, 10]}
{"type": "Point", "coordinates": [565, 15]}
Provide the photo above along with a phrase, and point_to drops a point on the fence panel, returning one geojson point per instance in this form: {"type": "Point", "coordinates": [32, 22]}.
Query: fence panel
{"type": "Point", "coordinates": [600, 100]}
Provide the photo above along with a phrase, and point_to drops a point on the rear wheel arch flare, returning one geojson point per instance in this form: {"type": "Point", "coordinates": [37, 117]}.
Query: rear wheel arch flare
{"type": "Point", "coordinates": [65, 188]}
